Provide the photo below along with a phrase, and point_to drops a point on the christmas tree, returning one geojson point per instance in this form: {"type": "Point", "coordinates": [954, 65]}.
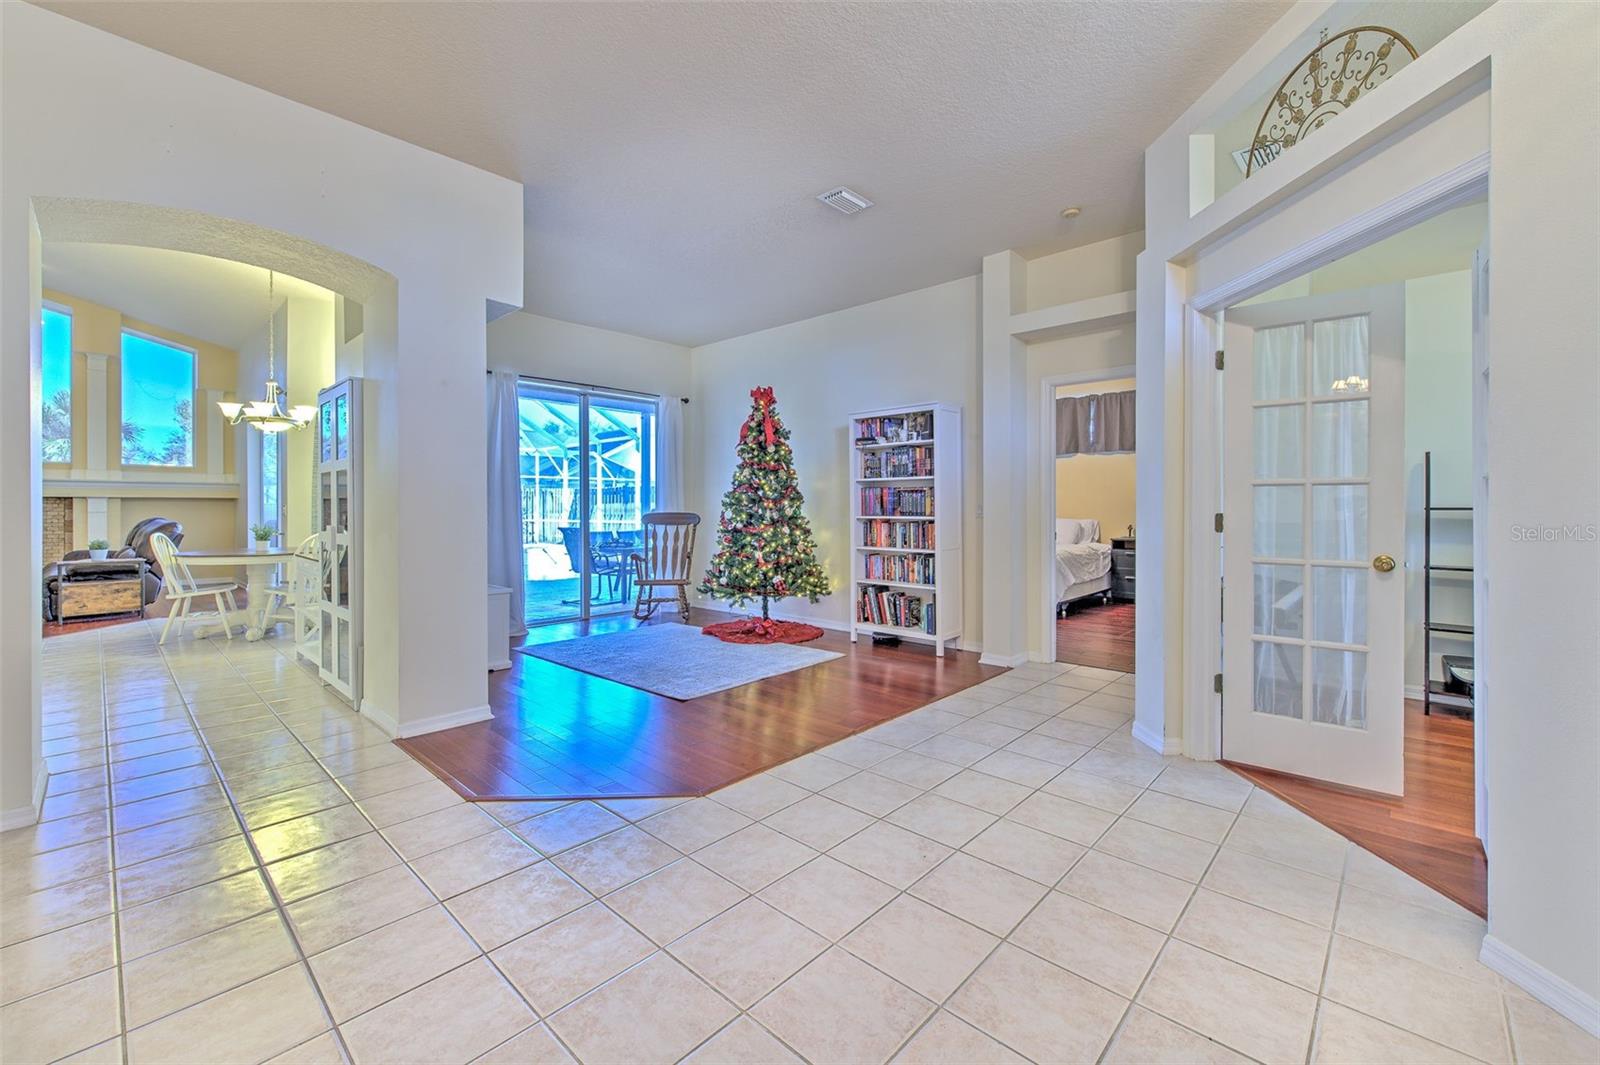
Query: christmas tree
{"type": "Point", "coordinates": [764, 545]}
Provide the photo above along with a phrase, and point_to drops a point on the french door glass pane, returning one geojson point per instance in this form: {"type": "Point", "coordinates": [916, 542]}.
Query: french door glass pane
{"type": "Point", "coordinates": [1339, 522]}
{"type": "Point", "coordinates": [1340, 363]}
{"type": "Point", "coordinates": [1339, 687]}
{"type": "Point", "coordinates": [622, 490]}
{"type": "Point", "coordinates": [1339, 604]}
{"type": "Point", "coordinates": [1280, 597]}
{"type": "Point", "coordinates": [1279, 432]}
{"type": "Point", "coordinates": [1279, 521]}
{"type": "Point", "coordinates": [1280, 363]}
{"type": "Point", "coordinates": [1278, 670]}
{"type": "Point", "coordinates": [1339, 439]}
{"type": "Point", "coordinates": [550, 457]}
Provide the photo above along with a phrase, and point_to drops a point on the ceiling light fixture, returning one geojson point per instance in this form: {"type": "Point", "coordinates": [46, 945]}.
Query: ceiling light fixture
{"type": "Point", "coordinates": [268, 414]}
{"type": "Point", "coordinates": [1071, 212]}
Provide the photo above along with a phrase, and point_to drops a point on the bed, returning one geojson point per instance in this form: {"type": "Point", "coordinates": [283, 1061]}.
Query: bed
{"type": "Point", "coordinates": [1083, 564]}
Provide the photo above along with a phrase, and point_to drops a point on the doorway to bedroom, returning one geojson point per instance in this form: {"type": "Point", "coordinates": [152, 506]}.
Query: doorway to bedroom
{"type": "Point", "coordinates": [1094, 564]}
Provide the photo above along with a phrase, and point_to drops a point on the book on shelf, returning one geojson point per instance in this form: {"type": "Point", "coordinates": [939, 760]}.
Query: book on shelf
{"type": "Point", "coordinates": [895, 428]}
{"type": "Point", "coordinates": [896, 502]}
{"type": "Point", "coordinates": [906, 535]}
{"type": "Point", "coordinates": [907, 461]}
{"type": "Point", "coordinates": [904, 610]}
{"type": "Point", "coordinates": [902, 569]}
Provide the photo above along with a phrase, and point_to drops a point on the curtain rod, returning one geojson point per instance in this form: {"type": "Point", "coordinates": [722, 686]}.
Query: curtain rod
{"type": "Point", "coordinates": [589, 387]}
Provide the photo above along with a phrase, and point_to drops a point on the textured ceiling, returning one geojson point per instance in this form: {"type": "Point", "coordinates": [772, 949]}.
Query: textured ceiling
{"type": "Point", "coordinates": [670, 151]}
{"type": "Point", "coordinates": [210, 299]}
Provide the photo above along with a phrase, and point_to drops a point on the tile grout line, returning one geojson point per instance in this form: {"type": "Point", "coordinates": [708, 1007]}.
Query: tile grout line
{"type": "Point", "coordinates": [111, 858]}
{"type": "Point", "coordinates": [279, 906]}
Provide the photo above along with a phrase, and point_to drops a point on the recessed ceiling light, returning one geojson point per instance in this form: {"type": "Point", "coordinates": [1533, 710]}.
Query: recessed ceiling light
{"type": "Point", "coordinates": [1071, 212]}
{"type": "Point", "coordinates": [845, 200]}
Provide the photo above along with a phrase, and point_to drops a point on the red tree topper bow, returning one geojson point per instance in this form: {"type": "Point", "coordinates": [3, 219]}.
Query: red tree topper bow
{"type": "Point", "coordinates": [763, 400]}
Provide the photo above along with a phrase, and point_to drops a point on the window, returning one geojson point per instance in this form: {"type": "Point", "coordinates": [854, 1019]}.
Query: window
{"type": "Point", "coordinates": [272, 479]}
{"type": "Point", "coordinates": [157, 403]}
{"type": "Point", "coordinates": [55, 415]}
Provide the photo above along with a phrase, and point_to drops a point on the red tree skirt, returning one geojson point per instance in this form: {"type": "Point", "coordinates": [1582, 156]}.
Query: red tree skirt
{"type": "Point", "coordinates": [754, 630]}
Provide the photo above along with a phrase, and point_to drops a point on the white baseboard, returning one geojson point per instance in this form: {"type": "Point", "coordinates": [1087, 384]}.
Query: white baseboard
{"type": "Point", "coordinates": [1009, 661]}
{"type": "Point", "coordinates": [1413, 692]}
{"type": "Point", "coordinates": [1162, 745]}
{"type": "Point", "coordinates": [504, 663]}
{"type": "Point", "coordinates": [386, 721]}
{"type": "Point", "coordinates": [379, 717]}
{"type": "Point", "coordinates": [1572, 1003]}
{"type": "Point", "coordinates": [23, 816]}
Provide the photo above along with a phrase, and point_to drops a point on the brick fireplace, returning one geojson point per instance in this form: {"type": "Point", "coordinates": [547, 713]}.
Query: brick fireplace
{"type": "Point", "coordinates": [57, 528]}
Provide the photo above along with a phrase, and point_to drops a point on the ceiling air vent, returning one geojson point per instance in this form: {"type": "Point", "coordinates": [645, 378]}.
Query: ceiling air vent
{"type": "Point", "coordinates": [843, 200]}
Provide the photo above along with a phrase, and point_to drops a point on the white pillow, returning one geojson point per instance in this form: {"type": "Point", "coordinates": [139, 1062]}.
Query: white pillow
{"type": "Point", "coordinates": [1076, 531]}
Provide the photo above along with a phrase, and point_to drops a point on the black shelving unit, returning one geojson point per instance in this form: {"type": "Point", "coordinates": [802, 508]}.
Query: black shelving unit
{"type": "Point", "coordinates": [1441, 693]}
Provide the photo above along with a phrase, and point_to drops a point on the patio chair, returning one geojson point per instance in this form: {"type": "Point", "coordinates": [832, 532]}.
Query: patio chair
{"type": "Point", "coordinates": [664, 562]}
{"type": "Point", "coordinates": [607, 568]}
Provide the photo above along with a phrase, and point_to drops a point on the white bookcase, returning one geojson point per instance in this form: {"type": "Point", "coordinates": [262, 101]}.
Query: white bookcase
{"type": "Point", "coordinates": [905, 532]}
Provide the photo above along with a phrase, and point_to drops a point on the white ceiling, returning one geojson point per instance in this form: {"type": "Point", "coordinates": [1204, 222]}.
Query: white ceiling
{"type": "Point", "coordinates": [670, 151]}
{"type": "Point", "coordinates": [217, 300]}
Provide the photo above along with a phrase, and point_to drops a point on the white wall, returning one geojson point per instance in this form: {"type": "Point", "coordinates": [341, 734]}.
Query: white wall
{"type": "Point", "coordinates": [555, 350]}
{"type": "Point", "coordinates": [1538, 679]}
{"type": "Point", "coordinates": [1438, 419]}
{"type": "Point", "coordinates": [139, 148]}
{"type": "Point", "coordinates": [921, 347]}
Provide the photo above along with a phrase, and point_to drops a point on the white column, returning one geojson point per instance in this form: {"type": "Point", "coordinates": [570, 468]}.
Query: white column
{"type": "Point", "coordinates": [97, 409]}
{"type": "Point", "coordinates": [1004, 384]}
{"type": "Point", "coordinates": [1158, 625]}
{"type": "Point", "coordinates": [99, 525]}
{"type": "Point", "coordinates": [22, 773]}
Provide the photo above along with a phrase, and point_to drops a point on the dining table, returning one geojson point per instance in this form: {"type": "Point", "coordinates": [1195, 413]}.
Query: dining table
{"type": "Point", "coordinates": [258, 565]}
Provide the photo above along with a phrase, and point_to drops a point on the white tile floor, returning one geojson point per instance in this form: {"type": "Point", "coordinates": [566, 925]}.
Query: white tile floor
{"type": "Point", "coordinates": [234, 867]}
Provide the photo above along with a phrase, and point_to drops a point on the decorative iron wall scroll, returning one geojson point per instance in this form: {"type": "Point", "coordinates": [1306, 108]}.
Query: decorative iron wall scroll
{"type": "Point", "coordinates": [1332, 77]}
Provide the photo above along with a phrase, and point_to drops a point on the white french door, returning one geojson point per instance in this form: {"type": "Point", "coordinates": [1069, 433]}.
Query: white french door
{"type": "Point", "coordinates": [1313, 496]}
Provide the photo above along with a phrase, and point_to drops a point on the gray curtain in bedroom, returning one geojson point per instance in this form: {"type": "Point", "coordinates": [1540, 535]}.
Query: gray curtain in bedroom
{"type": "Point", "coordinates": [1095, 425]}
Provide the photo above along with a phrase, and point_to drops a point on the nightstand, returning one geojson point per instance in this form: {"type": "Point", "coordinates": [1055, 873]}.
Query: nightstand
{"type": "Point", "coordinates": [1122, 568]}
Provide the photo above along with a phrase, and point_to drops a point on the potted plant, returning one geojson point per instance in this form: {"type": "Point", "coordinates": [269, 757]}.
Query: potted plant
{"type": "Point", "coordinates": [261, 535]}
{"type": "Point", "coordinates": [98, 549]}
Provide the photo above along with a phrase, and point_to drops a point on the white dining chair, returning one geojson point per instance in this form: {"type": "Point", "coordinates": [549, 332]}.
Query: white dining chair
{"type": "Point", "coordinates": [290, 585]}
{"type": "Point", "coordinates": [181, 588]}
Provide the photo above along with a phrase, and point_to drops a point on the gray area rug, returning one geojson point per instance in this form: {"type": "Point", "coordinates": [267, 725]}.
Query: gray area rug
{"type": "Point", "coordinates": [677, 661]}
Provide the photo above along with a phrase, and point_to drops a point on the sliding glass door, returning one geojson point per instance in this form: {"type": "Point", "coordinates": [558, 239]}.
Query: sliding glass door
{"type": "Point", "coordinates": [587, 461]}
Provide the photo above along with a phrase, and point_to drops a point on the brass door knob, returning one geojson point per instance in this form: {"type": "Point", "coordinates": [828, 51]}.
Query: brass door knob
{"type": "Point", "coordinates": [1383, 563]}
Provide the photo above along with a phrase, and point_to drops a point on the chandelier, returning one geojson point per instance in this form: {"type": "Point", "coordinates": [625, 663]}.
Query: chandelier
{"type": "Point", "coordinates": [268, 414]}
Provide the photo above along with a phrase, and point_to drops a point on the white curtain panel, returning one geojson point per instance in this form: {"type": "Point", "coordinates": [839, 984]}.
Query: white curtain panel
{"type": "Point", "coordinates": [670, 486]}
{"type": "Point", "coordinates": [505, 495]}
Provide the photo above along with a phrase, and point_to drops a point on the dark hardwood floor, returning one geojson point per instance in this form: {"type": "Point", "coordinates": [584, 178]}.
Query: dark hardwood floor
{"type": "Point", "coordinates": [1095, 634]}
{"type": "Point", "coordinates": [1429, 831]}
{"type": "Point", "coordinates": [559, 733]}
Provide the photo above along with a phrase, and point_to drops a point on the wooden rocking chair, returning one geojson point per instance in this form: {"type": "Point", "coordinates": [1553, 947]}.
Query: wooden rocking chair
{"type": "Point", "coordinates": [668, 552]}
